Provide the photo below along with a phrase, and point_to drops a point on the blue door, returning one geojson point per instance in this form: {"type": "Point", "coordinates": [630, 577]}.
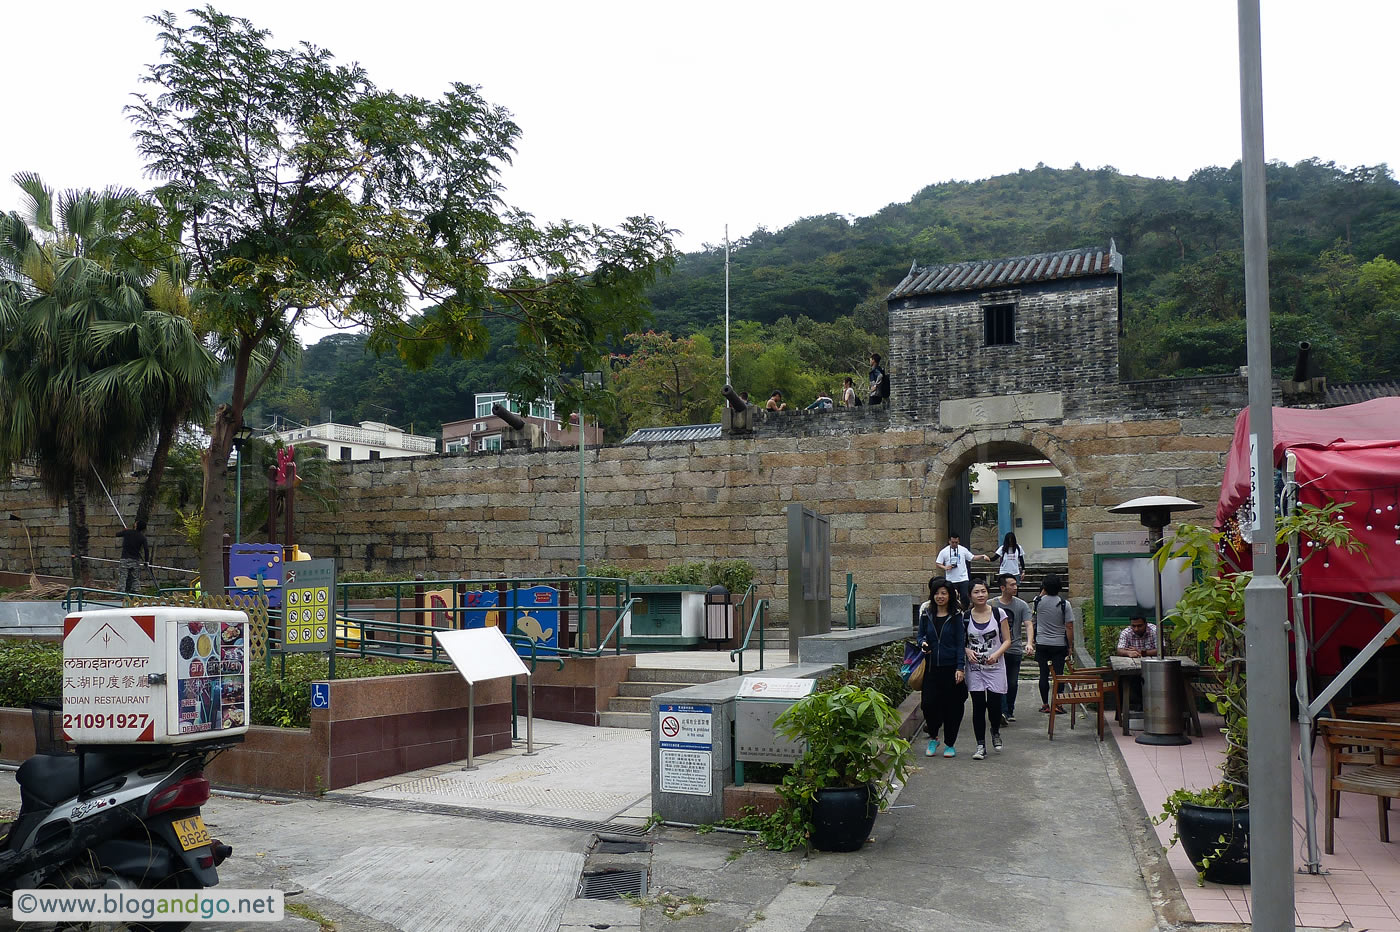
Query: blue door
{"type": "Point", "coordinates": [1054, 524]}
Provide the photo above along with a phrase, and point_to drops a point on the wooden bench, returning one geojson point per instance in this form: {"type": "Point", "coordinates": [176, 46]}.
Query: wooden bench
{"type": "Point", "coordinates": [1364, 744]}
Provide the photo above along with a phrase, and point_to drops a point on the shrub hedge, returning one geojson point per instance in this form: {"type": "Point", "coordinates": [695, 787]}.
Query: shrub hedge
{"type": "Point", "coordinates": [31, 670]}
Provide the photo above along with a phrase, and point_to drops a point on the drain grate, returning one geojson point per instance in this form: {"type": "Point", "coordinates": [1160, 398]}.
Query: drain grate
{"type": "Point", "coordinates": [489, 815]}
{"type": "Point", "coordinates": [609, 885]}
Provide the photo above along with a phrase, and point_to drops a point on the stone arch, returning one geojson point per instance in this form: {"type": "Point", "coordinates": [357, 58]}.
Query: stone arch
{"type": "Point", "coordinates": [990, 444]}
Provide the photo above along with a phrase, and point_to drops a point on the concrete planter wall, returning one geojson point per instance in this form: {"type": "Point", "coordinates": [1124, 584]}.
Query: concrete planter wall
{"type": "Point", "coordinates": [381, 726]}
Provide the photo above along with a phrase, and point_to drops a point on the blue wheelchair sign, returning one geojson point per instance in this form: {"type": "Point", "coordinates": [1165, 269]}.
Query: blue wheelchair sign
{"type": "Point", "coordinates": [320, 695]}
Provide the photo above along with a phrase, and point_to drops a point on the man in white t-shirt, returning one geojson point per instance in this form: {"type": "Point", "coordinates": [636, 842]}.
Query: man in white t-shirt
{"type": "Point", "coordinates": [955, 560]}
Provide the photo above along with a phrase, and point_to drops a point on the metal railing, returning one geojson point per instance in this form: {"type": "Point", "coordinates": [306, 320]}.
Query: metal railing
{"type": "Point", "coordinates": [850, 601]}
{"type": "Point", "coordinates": [760, 611]}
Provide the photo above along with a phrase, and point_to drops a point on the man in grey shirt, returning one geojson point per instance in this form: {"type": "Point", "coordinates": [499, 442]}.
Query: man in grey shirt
{"type": "Point", "coordinates": [1019, 612]}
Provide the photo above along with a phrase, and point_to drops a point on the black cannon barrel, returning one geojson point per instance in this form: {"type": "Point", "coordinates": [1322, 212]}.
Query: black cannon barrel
{"type": "Point", "coordinates": [735, 402]}
{"type": "Point", "coordinates": [509, 416]}
{"type": "Point", "coordinates": [1300, 368]}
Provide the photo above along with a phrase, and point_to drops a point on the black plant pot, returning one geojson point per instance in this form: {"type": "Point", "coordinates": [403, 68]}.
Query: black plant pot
{"type": "Point", "coordinates": [1200, 829]}
{"type": "Point", "coordinates": [842, 817]}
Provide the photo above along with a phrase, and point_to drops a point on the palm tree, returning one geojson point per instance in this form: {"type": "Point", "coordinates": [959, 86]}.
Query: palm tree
{"type": "Point", "coordinates": [91, 364]}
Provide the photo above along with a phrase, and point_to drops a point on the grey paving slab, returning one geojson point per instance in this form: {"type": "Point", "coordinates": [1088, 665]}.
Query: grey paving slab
{"type": "Point", "coordinates": [437, 889]}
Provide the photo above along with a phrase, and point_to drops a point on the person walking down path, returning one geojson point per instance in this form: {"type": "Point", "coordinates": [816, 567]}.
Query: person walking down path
{"type": "Point", "coordinates": [1020, 614]}
{"type": "Point", "coordinates": [136, 551]}
{"type": "Point", "coordinates": [955, 561]}
{"type": "Point", "coordinates": [1052, 632]}
{"type": "Point", "coordinates": [1010, 557]}
{"type": "Point", "coordinates": [988, 637]}
{"type": "Point", "coordinates": [943, 639]}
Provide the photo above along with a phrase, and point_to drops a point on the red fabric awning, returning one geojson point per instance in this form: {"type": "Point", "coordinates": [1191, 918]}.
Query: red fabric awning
{"type": "Point", "coordinates": [1368, 476]}
{"type": "Point", "coordinates": [1377, 420]}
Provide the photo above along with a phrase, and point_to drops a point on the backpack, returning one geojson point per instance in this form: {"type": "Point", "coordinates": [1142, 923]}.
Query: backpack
{"type": "Point", "coordinates": [883, 387]}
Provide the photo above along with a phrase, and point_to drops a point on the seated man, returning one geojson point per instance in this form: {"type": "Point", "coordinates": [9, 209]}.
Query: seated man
{"type": "Point", "coordinates": [1139, 639]}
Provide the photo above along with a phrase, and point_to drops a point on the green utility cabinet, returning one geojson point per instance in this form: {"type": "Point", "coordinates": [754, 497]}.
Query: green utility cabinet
{"type": "Point", "coordinates": [665, 618]}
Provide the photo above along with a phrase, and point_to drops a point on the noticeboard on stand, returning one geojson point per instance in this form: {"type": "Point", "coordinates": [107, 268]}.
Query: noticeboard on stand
{"type": "Point", "coordinates": [308, 605]}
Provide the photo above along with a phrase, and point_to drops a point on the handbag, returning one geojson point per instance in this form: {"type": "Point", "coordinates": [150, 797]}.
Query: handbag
{"type": "Point", "coordinates": [912, 667]}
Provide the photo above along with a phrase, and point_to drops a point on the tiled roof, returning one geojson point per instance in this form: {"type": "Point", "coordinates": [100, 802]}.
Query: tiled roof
{"type": "Point", "coordinates": [1350, 393]}
{"type": "Point", "coordinates": [1004, 273]}
{"type": "Point", "coordinates": [675, 434]}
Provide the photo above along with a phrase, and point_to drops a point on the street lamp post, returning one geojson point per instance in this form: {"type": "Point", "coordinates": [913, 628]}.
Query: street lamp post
{"type": "Point", "coordinates": [240, 437]}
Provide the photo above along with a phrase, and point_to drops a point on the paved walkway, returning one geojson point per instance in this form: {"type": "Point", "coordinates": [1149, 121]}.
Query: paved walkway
{"type": "Point", "coordinates": [1037, 837]}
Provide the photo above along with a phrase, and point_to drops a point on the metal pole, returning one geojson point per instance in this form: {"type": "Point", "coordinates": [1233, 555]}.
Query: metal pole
{"type": "Point", "coordinates": [582, 449]}
{"type": "Point", "coordinates": [727, 380]}
{"type": "Point", "coordinates": [238, 497]}
{"type": "Point", "coordinates": [1300, 663]}
{"type": "Point", "coordinates": [1265, 598]}
{"type": "Point", "coordinates": [529, 714]}
{"type": "Point", "coordinates": [471, 726]}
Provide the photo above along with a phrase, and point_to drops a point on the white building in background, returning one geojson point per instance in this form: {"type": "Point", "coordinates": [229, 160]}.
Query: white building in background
{"type": "Point", "coordinates": [371, 440]}
{"type": "Point", "coordinates": [1030, 500]}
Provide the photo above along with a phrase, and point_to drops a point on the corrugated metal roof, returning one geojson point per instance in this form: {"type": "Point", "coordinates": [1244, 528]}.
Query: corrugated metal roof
{"type": "Point", "coordinates": [675, 434]}
{"type": "Point", "coordinates": [1004, 273]}
{"type": "Point", "coordinates": [1350, 393]}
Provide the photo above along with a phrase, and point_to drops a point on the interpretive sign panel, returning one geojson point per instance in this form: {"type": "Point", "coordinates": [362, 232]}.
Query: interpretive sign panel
{"type": "Point", "coordinates": [308, 598]}
{"type": "Point", "coordinates": [481, 654]}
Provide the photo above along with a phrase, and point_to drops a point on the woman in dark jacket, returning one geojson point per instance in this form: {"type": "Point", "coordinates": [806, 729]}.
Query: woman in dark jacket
{"type": "Point", "coordinates": [943, 639]}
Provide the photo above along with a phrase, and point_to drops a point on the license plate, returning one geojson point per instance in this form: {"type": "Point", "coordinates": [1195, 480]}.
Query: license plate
{"type": "Point", "coordinates": [191, 832]}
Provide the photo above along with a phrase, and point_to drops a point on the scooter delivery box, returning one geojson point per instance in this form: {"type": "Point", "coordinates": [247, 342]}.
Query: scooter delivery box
{"type": "Point", "coordinates": [154, 675]}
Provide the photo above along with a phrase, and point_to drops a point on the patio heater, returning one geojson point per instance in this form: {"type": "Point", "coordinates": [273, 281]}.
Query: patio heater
{"type": "Point", "coordinates": [1163, 688]}
{"type": "Point", "coordinates": [719, 618]}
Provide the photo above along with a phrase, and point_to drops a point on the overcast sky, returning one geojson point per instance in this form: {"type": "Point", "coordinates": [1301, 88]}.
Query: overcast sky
{"type": "Point", "coordinates": [760, 113]}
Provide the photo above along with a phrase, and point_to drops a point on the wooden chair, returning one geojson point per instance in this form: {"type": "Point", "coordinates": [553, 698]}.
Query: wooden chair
{"type": "Point", "coordinates": [1104, 673]}
{"type": "Point", "coordinates": [1081, 687]}
{"type": "Point", "coordinates": [1343, 738]}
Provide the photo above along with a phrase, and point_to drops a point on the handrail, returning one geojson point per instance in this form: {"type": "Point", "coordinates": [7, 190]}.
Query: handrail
{"type": "Point", "coordinates": [850, 601]}
{"type": "Point", "coordinates": [750, 591]}
{"type": "Point", "coordinates": [83, 594]}
{"type": "Point", "coordinates": [760, 610]}
{"type": "Point", "coordinates": [622, 614]}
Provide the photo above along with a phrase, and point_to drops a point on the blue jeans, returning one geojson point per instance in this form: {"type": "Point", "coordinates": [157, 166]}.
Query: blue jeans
{"type": "Point", "coordinates": [1013, 674]}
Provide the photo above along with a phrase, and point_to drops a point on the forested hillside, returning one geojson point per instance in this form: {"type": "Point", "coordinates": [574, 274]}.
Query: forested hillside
{"type": "Point", "coordinates": [1334, 237]}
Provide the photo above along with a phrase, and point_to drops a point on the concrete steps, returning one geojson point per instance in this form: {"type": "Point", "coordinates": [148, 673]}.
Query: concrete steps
{"type": "Point", "coordinates": [631, 708]}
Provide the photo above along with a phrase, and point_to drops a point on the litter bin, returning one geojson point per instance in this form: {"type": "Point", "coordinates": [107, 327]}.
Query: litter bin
{"type": "Point", "coordinates": [1163, 691]}
{"type": "Point", "coordinates": [48, 726]}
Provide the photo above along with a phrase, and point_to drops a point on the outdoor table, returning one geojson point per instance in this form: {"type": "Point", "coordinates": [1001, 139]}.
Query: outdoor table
{"type": "Point", "coordinates": [1126, 669]}
{"type": "Point", "coordinates": [1381, 711]}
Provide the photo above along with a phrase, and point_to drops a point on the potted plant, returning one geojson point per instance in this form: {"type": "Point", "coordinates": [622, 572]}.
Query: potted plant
{"type": "Point", "coordinates": [854, 756]}
{"type": "Point", "coordinates": [1212, 824]}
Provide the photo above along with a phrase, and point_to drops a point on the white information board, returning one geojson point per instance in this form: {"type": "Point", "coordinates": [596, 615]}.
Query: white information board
{"type": "Point", "coordinates": [684, 734]}
{"type": "Point", "coordinates": [481, 654]}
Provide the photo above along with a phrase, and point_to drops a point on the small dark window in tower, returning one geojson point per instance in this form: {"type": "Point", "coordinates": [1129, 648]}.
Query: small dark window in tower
{"type": "Point", "coordinates": [999, 324]}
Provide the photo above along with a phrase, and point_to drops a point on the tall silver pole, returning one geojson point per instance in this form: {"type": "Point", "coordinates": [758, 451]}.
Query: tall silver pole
{"type": "Point", "coordinates": [1265, 598]}
{"type": "Point", "coordinates": [727, 380]}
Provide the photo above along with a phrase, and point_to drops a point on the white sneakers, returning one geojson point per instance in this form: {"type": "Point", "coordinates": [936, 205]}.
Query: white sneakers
{"type": "Point", "coordinates": [980, 753]}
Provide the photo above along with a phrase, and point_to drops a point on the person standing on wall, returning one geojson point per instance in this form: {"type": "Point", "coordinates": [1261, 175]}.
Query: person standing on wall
{"type": "Point", "coordinates": [955, 561]}
{"type": "Point", "coordinates": [1018, 613]}
{"type": "Point", "coordinates": [775, 402]}
{"type": "Point", "coordinates": [1051, 634]}
{"type": "Point", "coordinates": [848, 393]}
{"type": "Point", "coordinates": [1012, 557]}
{"type": "Point", "coordinates": [943, 639]}
{"type": "Point", "coordinates": [988, 638]}
{"type": "Point", "coordinates": [136, 550]}
{"type": "Point", "coordinates": [879, 381]}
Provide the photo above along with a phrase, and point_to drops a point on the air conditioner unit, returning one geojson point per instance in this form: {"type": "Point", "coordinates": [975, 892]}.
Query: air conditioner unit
{"type": "Point", "coordinates": [478, 427]}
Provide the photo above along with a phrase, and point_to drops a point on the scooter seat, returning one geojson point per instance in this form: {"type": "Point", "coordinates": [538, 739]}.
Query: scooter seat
{"type": "Point", "coordinates": [51, 778]}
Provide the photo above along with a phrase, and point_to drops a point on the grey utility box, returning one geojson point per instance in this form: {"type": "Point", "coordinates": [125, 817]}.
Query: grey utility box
{"type": "Point", "coordinates": [761, 699]}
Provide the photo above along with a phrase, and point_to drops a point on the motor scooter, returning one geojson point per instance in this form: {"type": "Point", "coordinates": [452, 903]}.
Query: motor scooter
{"type": "Point", "coordinates": [113, 817]}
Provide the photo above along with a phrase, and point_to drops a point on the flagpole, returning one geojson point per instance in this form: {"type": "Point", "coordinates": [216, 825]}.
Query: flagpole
{"type": "Point", "coordinates": [726, 306]}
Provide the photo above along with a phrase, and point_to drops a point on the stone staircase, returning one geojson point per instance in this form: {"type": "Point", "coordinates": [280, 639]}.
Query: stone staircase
{"type": "Point", "coordinates": [631, 707]}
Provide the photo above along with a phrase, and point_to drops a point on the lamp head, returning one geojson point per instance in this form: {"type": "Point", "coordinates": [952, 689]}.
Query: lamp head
{"type": "Point", "coordinates": [1154, 511]}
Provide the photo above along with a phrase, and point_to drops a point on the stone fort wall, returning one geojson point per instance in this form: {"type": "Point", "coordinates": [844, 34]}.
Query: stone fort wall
{"type": "Point", "coordinates": [884, 486]}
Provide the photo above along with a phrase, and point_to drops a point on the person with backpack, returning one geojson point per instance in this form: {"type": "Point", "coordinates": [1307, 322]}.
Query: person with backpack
{"type": "Point", "coordinates": [943, 639]}
{"type": "Point", "coordinates": [1019, 613]}
{"type": "Point", "coordinates": [988, 639]}
{"type": "Point", "coordinates": [1012, 557]}
{"type": "Point", "coordinates": [1051, 634]}
{"type": "Point", "coordinates": [879, 381]}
